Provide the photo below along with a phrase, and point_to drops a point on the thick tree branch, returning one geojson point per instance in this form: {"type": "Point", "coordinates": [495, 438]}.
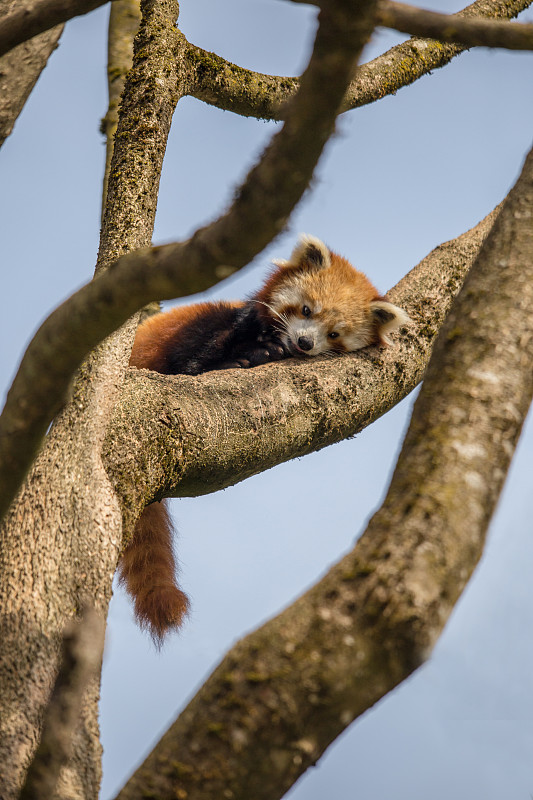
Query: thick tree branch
{"type": "Point", "coordinates": [258, 213]}
{"type": "Point", "coordinates": [19, 71]}
{"type": "Point", "coordinates": [61, 539]}
{"type": "Point", "coordinates": [83, 644]}
{"type": "Point", "coordinates": [232, 88]}
{"type": "Point", "coordinates": [182, 436]}
{"type": "Point", "coordinates": [451, 28]}
{"type": "Point", "coordinates": [35, 18]}
{"type": "Point", "coordinates": [284, 693]}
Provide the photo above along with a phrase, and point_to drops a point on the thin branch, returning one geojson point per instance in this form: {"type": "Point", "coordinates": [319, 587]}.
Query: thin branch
{"type": "Point", "coordinates": [258, 213]}
{"type": "Point", "coordinates": [299, 406]}
{"type": "Point", "coordinates": [224, 85]}
{"type": "Point", "coordinates": [124, 20]}
{"type": "Point", "coordinates": [40, 16]}
{"type": "Point", "coordinates": [232, 88]}
{"type": "Point", "coordinates": [83, 644]}
{"type": "Point", "coordinates": [451, 28]}
{"type": "Point", "coordinates": [151, 92]}
{"type": "Point", "coordinates": [283, 694]}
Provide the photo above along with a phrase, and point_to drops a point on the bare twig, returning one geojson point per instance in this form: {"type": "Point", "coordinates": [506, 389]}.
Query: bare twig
{"type": "Point", "coordinates": [258, 213]}
{"type": "Point", "coordinates": [452, 28]}
{"type": "Point", "coordinates": [83, 644]}
{"type": "Point", "coordinates": [283, 694]}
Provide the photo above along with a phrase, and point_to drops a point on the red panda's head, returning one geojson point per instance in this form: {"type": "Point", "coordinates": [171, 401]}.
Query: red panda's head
{"type": "Point", "coordinates": [320, 303]}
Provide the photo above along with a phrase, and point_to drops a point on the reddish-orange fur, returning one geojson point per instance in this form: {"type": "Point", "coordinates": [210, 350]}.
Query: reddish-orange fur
{"type": "Point", "coordinates": [158, 332]}
{"type": "Point", "coordinates": [148, 571]}
{"type": "Point", "coordinates": [314, 303]}
{"type": "Point", "coordinates": [347, 283]}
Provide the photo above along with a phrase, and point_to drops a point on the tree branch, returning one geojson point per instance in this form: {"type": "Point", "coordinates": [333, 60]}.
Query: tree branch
{"type": "Point", "coordinates": [19, 71]}
{"type": "Point", "coordinates": [41, 15]}
{"type": "Point", "coordinates": [124, 20]}
{"type": "Point", "coordinates": [232, 88]}
{"type": "Point", "coordinates": [229, 87]}
{"type": "Point", "coordinates": [451, 28]}
{"type": "Point", "coordinates": [284, 693]}
{"type": "Point", "coordinates": [62, 536]}
{"type": "Point", "coordinates": [182, 436]}
{"type": "Point", "coordinates": [83, 644]}
{"type": "Point", "coordinates": [258, 213]}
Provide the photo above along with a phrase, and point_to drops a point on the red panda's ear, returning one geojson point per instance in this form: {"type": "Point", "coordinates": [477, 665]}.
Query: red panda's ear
{"type": "Point", "coordinates": [310, 253]}
{"type": "Point", "coordinates": [387, 317]}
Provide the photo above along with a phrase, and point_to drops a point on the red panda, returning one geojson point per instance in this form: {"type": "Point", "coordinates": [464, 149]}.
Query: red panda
{"type": "Point", "coordinates": [314, 303]}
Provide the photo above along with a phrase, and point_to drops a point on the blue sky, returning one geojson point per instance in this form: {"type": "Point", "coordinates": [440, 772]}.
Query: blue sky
{"type": "Point", "coordinates": [400, 177]}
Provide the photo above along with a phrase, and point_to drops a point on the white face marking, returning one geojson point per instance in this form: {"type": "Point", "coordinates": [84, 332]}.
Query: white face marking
{"type": "Point", "coordinates": [314, 329]}
{"type": "Point", "coordinates": [309, 330]}
{"type": "Point", "coordinates": [286, 296]}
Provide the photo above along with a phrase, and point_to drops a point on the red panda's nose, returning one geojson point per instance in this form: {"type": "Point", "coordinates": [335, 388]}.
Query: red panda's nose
{"type": "Point", "coordinates": [305, 343]}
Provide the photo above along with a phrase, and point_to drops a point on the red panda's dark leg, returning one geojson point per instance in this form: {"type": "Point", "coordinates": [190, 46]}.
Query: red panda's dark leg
{"type": "Point", "coordinates": [148, 571]}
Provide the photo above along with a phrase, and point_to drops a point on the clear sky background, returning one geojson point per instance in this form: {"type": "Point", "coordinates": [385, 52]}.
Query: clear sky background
{"type": "Point", "coordinates": [400, 177]}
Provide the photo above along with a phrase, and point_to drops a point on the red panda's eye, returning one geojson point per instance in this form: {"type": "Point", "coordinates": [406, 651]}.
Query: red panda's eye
{"type": "Point", "coordinates": [333, 335]}
{"type": "Point", "coordinates": [306, 311]}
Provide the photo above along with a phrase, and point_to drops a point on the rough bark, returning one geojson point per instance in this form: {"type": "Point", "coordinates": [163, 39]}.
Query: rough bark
{"type": "Point", "coordinates": [81, 660]}
{"type": "Point", "coordinates": [19, 71]}
{"type": "Point", "coordinates": [259, 211]}
{"type": "Point", "coordinates": [282, 695]}
{"type": "Point", "coordinates": [232, 88]}
{"type": "Point", "coordinates": [180, 436]}
{"type": "Point", "coordinates": [124, 19]}
{"type": "Point", "coordinates": [61, 538]}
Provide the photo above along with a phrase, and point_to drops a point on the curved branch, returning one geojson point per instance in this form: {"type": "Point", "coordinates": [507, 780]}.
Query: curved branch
{"type": "Point", "coordinates": [253, 94]}
{"type": "Point", "coordinates": [284, 693]}
{"type": "Point", "coordinates": [39, 16]}
{"type": "Point", "coordinates": [258, 213]}
{"type": "Point", "coordinates": [232, 88]}
{"type": "Point", "coordinates": [219, 428]}
{"type": "Point", "coordinates": [451, 28]}
{"type": "Point", "coordinates": [19, 71]}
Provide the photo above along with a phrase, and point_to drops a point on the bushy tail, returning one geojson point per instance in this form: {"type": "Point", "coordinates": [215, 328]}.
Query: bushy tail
{"type": "Point", "coordinates": [148, 571]}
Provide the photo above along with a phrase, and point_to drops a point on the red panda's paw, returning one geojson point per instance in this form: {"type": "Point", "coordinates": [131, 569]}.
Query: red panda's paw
{"type": "Point", "coordinates": [269, 349]}
{"type": "Point", "coordinates": [239, 363]}
{"type": "Point", "coordinates": [161, 609]}
{"type": "Point", "coordinates": [263, 351]}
